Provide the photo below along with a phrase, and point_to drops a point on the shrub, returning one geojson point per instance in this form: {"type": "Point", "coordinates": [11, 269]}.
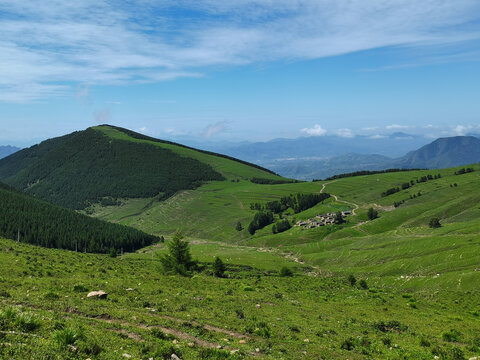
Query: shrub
{"type": "Point", "coordinates": [239, 226]}
{"type": "Point", "coordinates": [392, 325]}
{"type": "Point", "coordinates": [285, 271]}
{"type": "Point", "coordinates": [363, 284]}
{"type": "Point", "coordinates": [79, 288]}
{"type": "Point", "coordinates": [451, 336]}
{"type": "Point", "coordinates": [219, 267]}
{"type": "Point", "coordinates": [89, 347]}
{"type": "Point", "coordinates": [372, 214]}
{"type": "Point", "coordinates": [434, 223]}
{"type": "Point", "coordinates": [425, 342]}
{"type": "Point", "coordinates": [113, 253]}
{"type": "Point", "coordinates": [51, 295]}
{"type": "Point", "coordinates": [352, 280]}
{"type": "Point", "coordinates": [27, 322]}
{"type": "Point", "coordinates": [67, 336]}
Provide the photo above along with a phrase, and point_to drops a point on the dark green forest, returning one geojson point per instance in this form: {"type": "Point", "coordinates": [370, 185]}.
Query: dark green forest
{"type": "Point", "coordinates": [145, 137]}
{"type": "Point", "coordinates": [85, 167]}
{"type": "Point", "coordinates": [40, 223]}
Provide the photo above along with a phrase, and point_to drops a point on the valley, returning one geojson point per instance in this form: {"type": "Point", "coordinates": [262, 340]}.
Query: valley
{"type": "Point", "coordinates": [383, 286]}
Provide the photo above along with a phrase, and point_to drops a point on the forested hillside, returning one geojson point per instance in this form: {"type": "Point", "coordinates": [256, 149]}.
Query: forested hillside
{"type": "Point", "coordinates": [88, 166]}
{"type": "Point", "coordinates": [40, 223]}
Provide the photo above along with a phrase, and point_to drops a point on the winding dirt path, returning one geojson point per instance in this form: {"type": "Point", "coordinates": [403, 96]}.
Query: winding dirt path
{"type": "Point", "coordinates": [355, 206]}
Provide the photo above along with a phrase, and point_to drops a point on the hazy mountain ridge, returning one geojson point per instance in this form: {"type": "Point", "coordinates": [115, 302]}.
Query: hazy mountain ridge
{"type": "Point", "coordinates": [441, 153]}
{"type": "Point", "coordinates": [7, 150]}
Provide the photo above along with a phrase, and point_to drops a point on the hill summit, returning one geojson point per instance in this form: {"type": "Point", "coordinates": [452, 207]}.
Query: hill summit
{"type": "Point", "coordinates": [104, 163]}
{"type": "Point", "coordinates": [444, 152]}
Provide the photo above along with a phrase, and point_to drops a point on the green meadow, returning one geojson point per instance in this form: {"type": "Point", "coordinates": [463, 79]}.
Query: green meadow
{"type": "Point", "coordinates": [251, 313]}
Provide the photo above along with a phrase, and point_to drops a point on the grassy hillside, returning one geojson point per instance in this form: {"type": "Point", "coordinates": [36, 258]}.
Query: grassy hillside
{"type": "Point", "coordinates": [88, 166]}
{"type": "Point", "coordinates": [228, 167]}
{"type": "Point", "coordinates": [254, 313]}
{"type": "Point", "coordinates": [34, 221]}
{"type": "Point", "coordinates": [398, 243]}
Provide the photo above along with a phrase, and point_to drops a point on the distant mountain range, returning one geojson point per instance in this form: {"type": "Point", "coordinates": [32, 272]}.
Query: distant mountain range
{"type": "Point", "coordinates": [321, 147]}
{"type": "Point", "coordinates": [7, 150]}
{"type": "Point", "coordinates": [441, 153]}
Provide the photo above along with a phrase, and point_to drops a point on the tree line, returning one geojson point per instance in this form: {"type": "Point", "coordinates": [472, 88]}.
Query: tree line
{"type": "Point", "coordinates": [263, 181]}
{"type": "Point", "coordinates": [409, 184]}
{"type": "Point", "coordinates": [39, 223]}
{"type": "Point", "coordinates": [364, 172]}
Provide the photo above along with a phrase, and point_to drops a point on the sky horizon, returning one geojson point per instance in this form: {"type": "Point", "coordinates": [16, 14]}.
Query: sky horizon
{"type": "Point", "coordinates": [252, 70]}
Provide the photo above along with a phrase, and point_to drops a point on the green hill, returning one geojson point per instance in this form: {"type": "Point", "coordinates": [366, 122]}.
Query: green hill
{"type": "Point", "coordinates": [37, 222]}
{"type": "Point", "coordinates": [104, 163]}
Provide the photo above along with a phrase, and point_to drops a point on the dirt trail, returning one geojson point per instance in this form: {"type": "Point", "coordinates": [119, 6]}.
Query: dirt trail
{"type": "Point", "coordinates": [355, 206]}
{"type": "Point", "coordinates": [137, 337]}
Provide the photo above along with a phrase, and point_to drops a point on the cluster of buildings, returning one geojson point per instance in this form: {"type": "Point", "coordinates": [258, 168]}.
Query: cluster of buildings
{"type": "Point", "coordinates": [321, 220]}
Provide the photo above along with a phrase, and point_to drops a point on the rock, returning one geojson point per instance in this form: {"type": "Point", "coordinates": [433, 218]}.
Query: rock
{"type": "Point", "coordinates": [306, 340]}
{"type": "Point", "coordinates": [258, 306]}
{"type": "Point", "coordinates": [127, 356]}
{"type": "Point", "coordinates": [174, 357]}
{"type": "Point", "coordinates": [243, 341]}
{"type": "Point", "coordinates": [175, 341]}
{"type": "Point", "coordinates": [191, 344]}
{"type": "Point", "coordinates": [100, 294]}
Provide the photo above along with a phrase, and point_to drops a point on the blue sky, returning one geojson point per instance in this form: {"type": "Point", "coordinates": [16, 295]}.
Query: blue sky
{"type": "Point", "coordinates": [245, 70]}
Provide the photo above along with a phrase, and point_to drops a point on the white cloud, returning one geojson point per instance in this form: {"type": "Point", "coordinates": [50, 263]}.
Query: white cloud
{"type": "Point", "coordinates": [214, 129]}
{"type": "Point", "coordinates": [377, 136]}
{"type": "Point", "coordinates": [396, 127]}
{"type": "Point", "coordinates": [345, 133]}
{"type": "Point", "coordinates": [316, 130]}
{"type": "Point", "coordinates": [46, 47]}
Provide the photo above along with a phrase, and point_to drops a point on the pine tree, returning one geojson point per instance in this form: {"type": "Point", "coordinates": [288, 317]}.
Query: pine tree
{"type": "Point", "coordinates": [219, 267]}
{"type": "Point", "coordinates": [239, 226]}
{"type": "Point", "coordinates": [372, 214]}
{"type": "Point", "coordinates": [178, 260]}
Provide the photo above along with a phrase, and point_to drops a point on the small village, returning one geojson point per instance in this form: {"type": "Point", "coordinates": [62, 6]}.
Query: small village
{"type": "Point", "coordinates": [321, 220]}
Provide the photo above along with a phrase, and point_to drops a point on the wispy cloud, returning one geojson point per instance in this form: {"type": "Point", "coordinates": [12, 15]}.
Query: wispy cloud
{"type": "Point", "coordinates": [214, 129]}
{"type": "Point", "coordinates": [48, 48]}
{"type": "Point", "coordinates": [396, 127]}
{"type": "Point", "coordinates": [345, 133]}
{"type": "Point", "coordinates": [316, 130]}
{"type": "Point", "coordinates": [103, 116]}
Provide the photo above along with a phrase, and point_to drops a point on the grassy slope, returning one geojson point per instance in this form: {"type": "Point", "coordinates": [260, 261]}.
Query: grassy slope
{"type": "Point", "coordinates": [209, 212]}
{"type": "Point", "coordinates": [230, 169]}
{"type": "Point", "coordinates": [398, 243]}
{"type": "Point", "coordinates": [299, 317]}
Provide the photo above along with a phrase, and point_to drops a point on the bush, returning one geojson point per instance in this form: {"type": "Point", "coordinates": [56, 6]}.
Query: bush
{"type": "Point", "coordinates": [239, 226]}
{"type": "Point", "coordinates": [285, 271]}
{"type": "Point", "coordinates": [79, 288]}
{"type": "Point", "coordinates": [363, 284]}
{"type": "Point", "coordinates": [434, 223]}
{"type": "Point", "coordinates": [372, 214]}
{"type": "Point", "coordinates": [67, 336]}
{"type": "Point", "coordinates": [451, 336]}
{"type": "Point", "coordinates": [352, 280]}
{"type": "Point", "coordinates": [27, 322]}
{"type": "Point", "coordinates": [113, 253]}
{"type": "Point", "coordinates": [219, 267]}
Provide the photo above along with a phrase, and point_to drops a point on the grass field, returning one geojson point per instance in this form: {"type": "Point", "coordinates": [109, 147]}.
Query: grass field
{"type": "Point", "coordinates": [420, 298]}
{"type": "Point", "coordinates": [254, 313]}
